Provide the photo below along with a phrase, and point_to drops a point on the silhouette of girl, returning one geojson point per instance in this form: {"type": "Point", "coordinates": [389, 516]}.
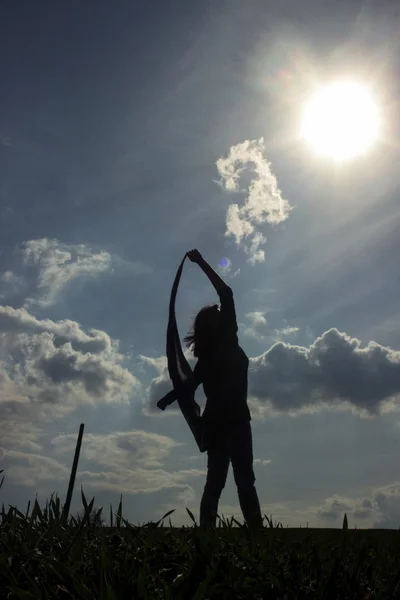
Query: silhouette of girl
{"type": "Point", "coordinates": [222, 368]}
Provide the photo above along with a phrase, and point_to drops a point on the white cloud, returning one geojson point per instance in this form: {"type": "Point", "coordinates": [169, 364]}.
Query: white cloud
{"type": "Point", "coordinates": [58, 264]}
{"type": "Point", "coordinates": [130, 462]}
{"type": "Point", "coordinates": [263, 203]}
{"type": "Point", "coordinates": [257, 318]}
{"type": "Point", "coordinates": [24, 435]}
{"type": "Point", "coordinates": [48, 368]}
{"type": "Point", "coordinates": [334, 508]}
{"type": "Point", "coordinates": [30, 469]}
{"type": "Point", "coordinates": [46, 267]}
{"type": "Point", "coordinates": [380, 510]}
{"type": "Point", "coordinates": [161, 385]}
{"type": "Point", "coordinates": [251, 332]}
{"type": "Point", "coordinates": [286, 331]}
{"type": "Point", "coordinates": [261, 461]}
{"type": "Point", "coordinates": [20, 321]}
{"type": "Point", "coordinates": [119, 449]}
{"type": "Point", "coordinates": [135, 481]}
{"type": "Point", "coordinates": [10, 282]}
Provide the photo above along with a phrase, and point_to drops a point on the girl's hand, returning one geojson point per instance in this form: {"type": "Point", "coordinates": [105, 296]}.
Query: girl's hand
{"type": "Point", "coordinates": [194, 256]}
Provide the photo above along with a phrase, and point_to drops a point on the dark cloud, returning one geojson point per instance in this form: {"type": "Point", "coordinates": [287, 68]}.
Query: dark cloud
{"type": "Point", "coordinates": [361, 513]}
{"type": "Point", "coordinates": [48, 368]}
{"type": "Point", "coordinates": [364, 511]}
{"type": "Point", "coordinates": [381, 510]}
{"type": "Point", "coordinates": [334, 508]}
{"type": "Point", "coordinates": [366, 503]}
{"type": "Point", "coordinates": [388, 505]}
{"type": "Point", "coordinates": [161, 385]}
{"type": "Point", "coordinates": [334, 368]}
{"type": "Point", "coordinates": [66, 365]}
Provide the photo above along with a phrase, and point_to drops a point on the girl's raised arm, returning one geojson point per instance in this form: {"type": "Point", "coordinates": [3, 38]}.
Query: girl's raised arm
{"type": "Point", "coordinates": [218, 283]}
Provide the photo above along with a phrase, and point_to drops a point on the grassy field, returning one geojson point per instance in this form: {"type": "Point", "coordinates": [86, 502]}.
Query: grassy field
{"type": "Point", "coordinates": [44, 556]}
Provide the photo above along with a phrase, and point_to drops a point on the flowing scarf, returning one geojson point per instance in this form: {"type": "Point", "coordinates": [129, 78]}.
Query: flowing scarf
{"type": "Point", "coordinates": [180, 372]}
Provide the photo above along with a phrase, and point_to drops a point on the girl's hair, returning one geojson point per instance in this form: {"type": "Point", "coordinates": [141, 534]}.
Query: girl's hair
{"type": "Point", "coordinates": [205, 330]}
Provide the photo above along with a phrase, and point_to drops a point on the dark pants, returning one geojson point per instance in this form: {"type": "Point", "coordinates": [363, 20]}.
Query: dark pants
{"type": "Point", "coordinates": [232, 445]}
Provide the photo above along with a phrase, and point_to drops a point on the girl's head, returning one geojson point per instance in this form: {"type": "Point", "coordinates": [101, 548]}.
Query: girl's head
{"type": "Point", "coordinates": [205, 331]}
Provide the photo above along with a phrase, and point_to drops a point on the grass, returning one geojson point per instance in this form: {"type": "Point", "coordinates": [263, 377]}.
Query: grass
{"type": "Point", "coordinates": [43, 556]}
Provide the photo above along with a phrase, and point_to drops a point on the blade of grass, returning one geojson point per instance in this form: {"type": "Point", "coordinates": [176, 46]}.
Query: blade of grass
{"type": "Point", "coordinates": [191, 515]}
{"type": "Point", "coordinates": [85, 505]}
{"type": "Point", "coordinates": [119, 513]}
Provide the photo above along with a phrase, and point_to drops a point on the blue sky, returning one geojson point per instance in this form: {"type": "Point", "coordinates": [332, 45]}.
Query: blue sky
{"type": "Point", "coordinates": [119, 123]}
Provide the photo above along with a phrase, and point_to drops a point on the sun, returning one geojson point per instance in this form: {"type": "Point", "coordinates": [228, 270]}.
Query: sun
{"type": "Point", "coordinates": [341, 120]}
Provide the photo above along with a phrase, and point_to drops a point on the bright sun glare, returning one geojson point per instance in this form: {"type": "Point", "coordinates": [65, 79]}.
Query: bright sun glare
{"type": "Point", "coordinates": [341, 120]}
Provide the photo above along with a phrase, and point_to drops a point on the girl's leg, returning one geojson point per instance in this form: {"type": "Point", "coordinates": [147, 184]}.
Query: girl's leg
{"type": "Point", "coordinates": [240, 446]}
{"type": "Point", "coordinates": [217, 471]}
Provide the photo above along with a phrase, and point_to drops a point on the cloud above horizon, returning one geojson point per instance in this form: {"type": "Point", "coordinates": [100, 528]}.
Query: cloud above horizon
{"type": "Point", "coordinates": [131, 461]}
{"type": "Point", "coordinates": [257, 319]}
{"type": "Point", "coordinates": [48, 368]}
{"type": "Point", "coordinates": [128, 462]}
{"type": "Point", "coordinates": [381, 509]}
{"type": "Point", "coordinates": [59, 264]}
{"type": "Point", "coordinates": [103, 190]}
{"type": "Point", "coordinates": [263, 199]}
{"type": "Point", "coordinates": [333, 369]}
{"type": "Point", "coordinates": [39, 270]}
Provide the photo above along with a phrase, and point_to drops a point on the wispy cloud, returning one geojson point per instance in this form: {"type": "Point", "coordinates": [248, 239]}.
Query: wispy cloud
{"type": "Point", "coordinates": [261, 461]}
{"type": "Point", "coordinates": [10, 283]}
{"type": "Point", "coordinates": [226, 269]}
{"type": "Point", "coordinates": [257, 318]}
{"type": "Point", "coordinates": [21, 435]}
{"type": "Point", "coordinates": [250, 332]}
{"type": "Point", "coordinates": [130, 462]}
{"type": "Point", "coordinates": [122, 449]}
{"type": "Point", "coordinates": [31, 469]}
{"type": "Point", "coordinates": [137, 480]}
{"type": "Point", "coordinates": [39, 270]}
{"type": "Point", "coordinates": [58, 264]}
{"type": "Point", "coordinates": [263, 200]}
{"type": "Point", "coordinates": [122, 462]}
{"type": "Point", "coordinates": [286, 332]}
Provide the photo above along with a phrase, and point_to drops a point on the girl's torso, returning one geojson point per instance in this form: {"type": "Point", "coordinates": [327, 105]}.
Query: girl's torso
{"type": "Point", "coordinates": [224, 375]}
